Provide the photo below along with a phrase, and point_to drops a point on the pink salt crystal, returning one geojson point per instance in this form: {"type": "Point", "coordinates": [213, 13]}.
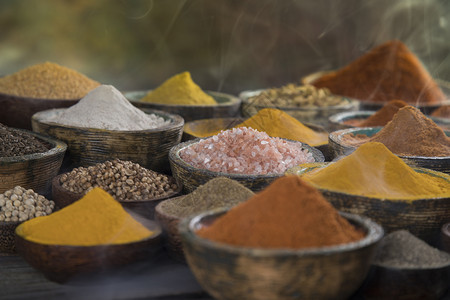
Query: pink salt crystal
{"type": "Point", "coordinates": [245, 151]}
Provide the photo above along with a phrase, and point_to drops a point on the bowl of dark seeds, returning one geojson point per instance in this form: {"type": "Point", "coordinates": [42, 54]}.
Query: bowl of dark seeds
{"type": "Point", "coordinates": [135, 187]}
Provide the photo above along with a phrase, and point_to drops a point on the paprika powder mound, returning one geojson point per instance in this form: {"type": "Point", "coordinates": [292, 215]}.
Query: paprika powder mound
{"type": "Point", "coordinates": [289, 213]}
{"type": "Point", "coordinates": [382, 116]}
{"type": "Point", "coordinates": [388, 71]}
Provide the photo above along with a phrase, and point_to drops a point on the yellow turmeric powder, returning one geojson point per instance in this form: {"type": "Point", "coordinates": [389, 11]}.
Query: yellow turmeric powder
{"type": "Point", "coordinates": [179, 89]}
{"type": "Point", "coordinates": [374, 171]}
{"type": "Point", "coordinates": [278, 123]}
{"type": "Point", "coordinates": [95, 219]}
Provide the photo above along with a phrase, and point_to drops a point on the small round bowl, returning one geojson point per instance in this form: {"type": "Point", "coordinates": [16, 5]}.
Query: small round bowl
{"type": "Point", "coordinates": [7, 237]}
{"type": "Point", "coordinates": [17, 111]}
{"type": "Point", "coordinates": [33, 171]}
{"type": "Point", "coordinates": [88, 146]}
{"type": "Point", "coordinates": [339, 148]}
{"type": "Point", "coordinates": [191, 177]}
{"type": "Point", "coordinates": [445, 237]}
{"type": "Point", "coordinates": [349, 119]}
{"type": "Point", "coordinates": [426, 108]}
{"type": "Point", "coordinates": [145, 207]}
{"type": "Point", "coordinates": [232, 272]}
{"type": "Point", "coordinates": [227, 106]}
{"type": "Point", "coordinates": [422, 217]}
{"type": "Point", "coordinates": [61, 263]}
{"type": "Point", "coordinates": [313, 115]}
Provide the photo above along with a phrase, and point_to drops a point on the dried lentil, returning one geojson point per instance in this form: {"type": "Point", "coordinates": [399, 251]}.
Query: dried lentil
{"type": "Point", "coordinates": [20, 204]}
{"type": "Point", "coordinates": [124, 180]}
{"type": "Point", "coordinates": [14, 142]}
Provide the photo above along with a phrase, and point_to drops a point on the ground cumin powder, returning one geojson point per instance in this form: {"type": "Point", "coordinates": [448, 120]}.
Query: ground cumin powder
{"type": "Point", "coordinates": [287, 214]}
{"type": "Point", "coordinates": [384, 114]}
{"type": "Point", "coordinates": [388, 71]}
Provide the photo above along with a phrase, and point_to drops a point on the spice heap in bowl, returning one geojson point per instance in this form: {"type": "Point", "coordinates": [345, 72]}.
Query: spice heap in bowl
{"type": "Point", "coordinates": [105, 124]}
{"type": "Point", "coordinates": [16, 206]}
{"type": "Point", "coordinates": [220, 192]}
{"type": "Point", "coordinates": [279, 244]}
{"type": "Point", "coordinates": [40, 87]}
{"type": "Point", "coordinates": [135, 187]}
{"type": "Point", "coordinates": [94, 234]}
{"type": "Point", "coordinates": [244, 154]}
{"type": "Point", "coordinates": [181, 95]}
{"type": "Point", "coordinates": [306, 103]}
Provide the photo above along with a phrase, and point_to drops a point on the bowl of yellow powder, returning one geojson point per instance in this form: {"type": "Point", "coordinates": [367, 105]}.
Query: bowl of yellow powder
{"type": "Point", "coordinates": [182, 96]}
{"type": "Point", "coordinates": [40, 87]}
{"type": "Point", "coordinates": [374, 182]}
{"type": "Point", "coordinates": [92, 235]}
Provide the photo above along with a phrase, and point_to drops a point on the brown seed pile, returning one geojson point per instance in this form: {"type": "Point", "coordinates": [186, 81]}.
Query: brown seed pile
{"type": "Point", "coordinates": [47, 81]}
{"type": "Point", "coordinates": [124, 180]}
{"type": "Point", "coordinates": [16, 143]}
{"type": "Point", "coordinates": [20, 204]}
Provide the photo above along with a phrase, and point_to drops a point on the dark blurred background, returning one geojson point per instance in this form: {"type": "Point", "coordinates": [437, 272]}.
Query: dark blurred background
{"type": "Point", "coordinates": [227, 45]}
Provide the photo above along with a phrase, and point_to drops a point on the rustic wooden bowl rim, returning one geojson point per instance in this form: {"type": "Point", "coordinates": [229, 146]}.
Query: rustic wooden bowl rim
{"type": "Point", "coordinates": [374, 233]}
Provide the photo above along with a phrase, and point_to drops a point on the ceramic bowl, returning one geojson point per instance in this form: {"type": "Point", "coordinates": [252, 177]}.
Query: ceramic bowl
{"type": "Point", "coordinates": [348, 119]}
{"type": "Point", "coordinates": [312, 115]}
{"type": "Point", "coordinates": [232, 272]}
{"type": "Point", "coordinates": [422, 217]}
{"type": "Point", "coordinates": [445, 237]}
{"type": "Point", "coordinates": [17, 111]}
{"type": "Point", "coordinates": [339, 148]}
{"type": "Point", "coordinates": [227, 106]}
{"type": "Point", "coordinates": [33, 171]}
{"type": "Point", "coordinates": [88, 146]}
{"type": "Point", "coordinates": [191, 177]}
{"type": "Point", "coordinates": [374, 106]}
{"type": "Point", "coordinates": [7, 236]}
{"type": "Point", "coordinates": [61, 263]}
{"type": "Point", "coordinates": [145, 207]}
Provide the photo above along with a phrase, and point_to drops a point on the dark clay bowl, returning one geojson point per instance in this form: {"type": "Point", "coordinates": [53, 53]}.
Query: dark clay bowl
{"type": "Point", "coordinates": [423, 217]}
{"type": "Point", "coordinates": [145, 207]}
{"type": "Point", "coordinates": [339, 148]}
{"type": "Point", "coordinates": [227, 106]}
{"type": "Point", "coordinates": [191, 177]}
{"type": "Point", "coordinates": [348, 119]}
{"type": "Point", "coordinates": [17, 111]}
{"type": "Point", "coordinates": [32, 171]}
{"type": "Point", "coordinates": [88, 146]}
{"type": "Point", "coordinates": [313, 115]}
{"type": "Point", "coordinates": [7, 237]}
{"type": "Point", "coordinates": [232, 272]}
{"type": "Point", "coordinates": [61, 263]}
{"type": "Point", "coordinates": [445, 237]}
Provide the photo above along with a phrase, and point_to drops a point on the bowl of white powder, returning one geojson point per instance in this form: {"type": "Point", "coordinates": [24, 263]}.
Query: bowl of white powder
{"type": "Point", "coordinates": [105, 125]}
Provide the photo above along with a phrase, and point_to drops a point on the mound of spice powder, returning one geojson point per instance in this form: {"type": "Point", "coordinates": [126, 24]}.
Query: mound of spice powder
{"type": "Point", "coordinates": [47, 81]}
{"type": "Point", "coordinates": [442, 112]}
{"type": "Point", "coordinates": [219, 192]}
{"type": "Point", "coordinates": [384, 114]}
{"type": "Point", "coordinates": [410, 133]}
{"type": "Point", "coordinates": [14, 142]}
{"type": "Point", "coordinates": [388, 71]}
{"type": "Point", "coordinates": [289, 213]}
{"type": "Point", "coordinates": [245, 151]}
{"type": "Point", "coordinates": [179, 89]}
{"type": "Point", "coordinates": [373, 171]}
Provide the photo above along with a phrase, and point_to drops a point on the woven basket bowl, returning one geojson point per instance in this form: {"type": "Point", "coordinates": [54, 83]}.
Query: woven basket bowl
{"type": "Point", "coordinates": [312, 115]}
{"type": "Point", "coordinates": [62, 263]}
{"type": "Point", "coordinates": [423, 217]}
{"type": "Point", "coordinates": [232, 272]}
{"type": "Point", "coordinates": [374, 106]}
{"type": "Point", "coordinates": [144, 207]}
{"type": "Point", "coordinates": [339, 148]}
{"type": "Point", "coordinates": [227, 106]}
{"type": "Point", "coordinates": [17, 111]}
{"type": "Point", "coordinates": [191, 177]}
{"type": "Point", "coordinates": [348, 119]}
{"type": "Point", "coordinates": [88, 146]}
{"type": "Point", "coordinates": [32, 171]}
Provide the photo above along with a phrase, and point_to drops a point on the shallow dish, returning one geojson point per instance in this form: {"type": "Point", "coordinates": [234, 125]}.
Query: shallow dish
{"type": "Point", "coordinates": [339, 148]}
{"type": "Point", "coordinates": [88, 146]}
{"type": "Point", "coordinates": [227, 106]}
{"type": "Point", "coordinates": [231, 272]}
{"type": "Point", "coordinates": [191, 177]}
{"type": "Point", "coordinates": [348, 119]}
{"type": "Point", "coordinates": [422, 217]}
{"type": "Point", "coordinates": [62, 263]}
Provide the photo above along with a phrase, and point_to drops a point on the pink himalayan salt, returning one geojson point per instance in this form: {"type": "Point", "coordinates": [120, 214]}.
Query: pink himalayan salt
{"type": "Point", "coordinates": [245, 151]}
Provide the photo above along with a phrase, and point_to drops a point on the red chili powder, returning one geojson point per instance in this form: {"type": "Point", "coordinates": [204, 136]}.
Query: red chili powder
{"type": "Point", "coordinates": [388, 71]}
{"type": "Point", "coordinates": [289, 213]}
{"type": "Point", "coordinates": [384, 114]}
